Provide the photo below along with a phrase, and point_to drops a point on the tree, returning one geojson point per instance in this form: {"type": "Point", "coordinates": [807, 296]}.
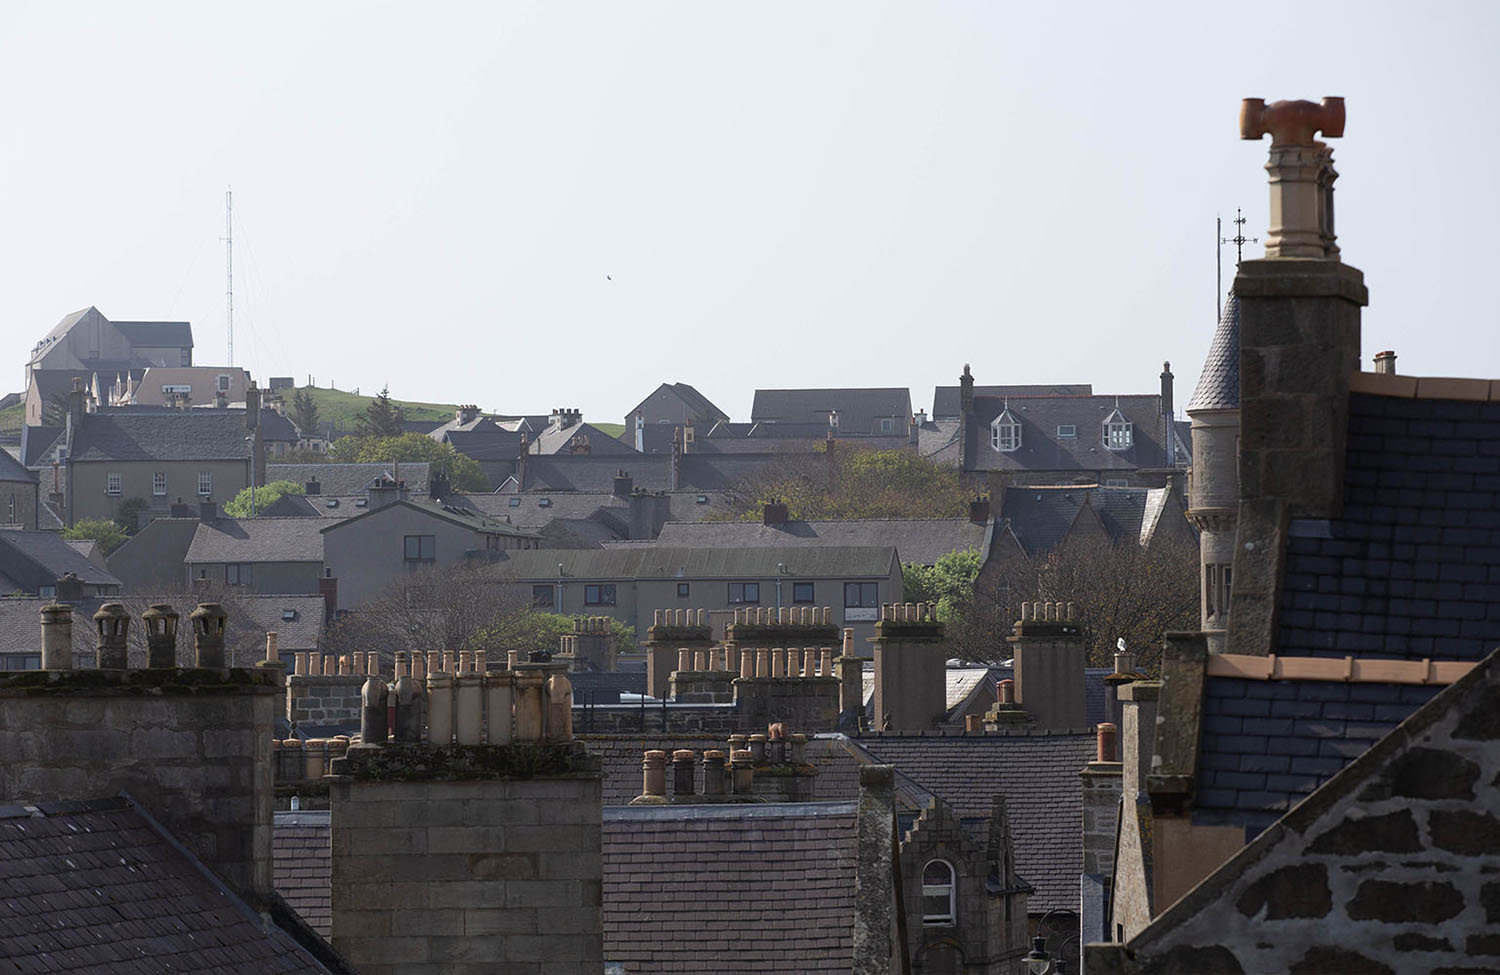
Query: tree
{"type": "Point", "coordinates": [305, 412]}
{"type": "Point", "coordinates": [858, 484]}
{"type": "Point", "coordinates": [128, 515]}
{"type": "Point", "coordinates": [949, 582]}
{"type": "Point", "coordinates": [383, 416]}
{"type": "Point", "coordinates": [265, 496]}
{"type": "Point", "coordinates": [462, 471]}
{"type": "Point", "coordinates": [107, 533]}
{"type": "Point", "coordinates": [1119, 591]}
{"type": "Point", "coordinates": [454, 606]}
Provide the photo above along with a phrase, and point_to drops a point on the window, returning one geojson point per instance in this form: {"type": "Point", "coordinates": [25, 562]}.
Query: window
{"type": "Point", "coordinates": [887, 424]}
{"type": "Point", "coordinates": [683, 588]}
{"type": "Point", "coordinates": [237, 574]}
{"type": "Point", "coordinates": [1067, 431]}
{"type": "Point", "coordinates": [112, 483]}
{"type": "Point", "coordinates": [420, 548]}
{"type": "Point", "coordinates": [802, 592]}
{"type": "Point", "coordinates": [514, 502]}
{"type": "Point", "coordinates": [1216, 589]}
{"type": "Point", "coordinates": [223, 382]}
{"type": "Point", "coordinates": [744, 592]}
{"type": "Point", "coordinates": [1005, 432]}
{"type": "Point", "coordinates": [543, 597]}
{"type": "Point", "coordinates": [1117, 435]}
{"type": "Point", "coordinates": [602, 594]}
{"type": "Point", "coordinates": [159, 483]}
{"type": "Point", "coordinates": [937, 893]}
{"type": "Point", "coordinates": [205, 483]}
{"type": "Point", "coordinates": [544, 502]}
{"type": "Point", "coordinates": [861, 595]}
{"type": "Point", "coordinates": [702, 499]}
{"type": "Point", "coordinates": [1116, 482]}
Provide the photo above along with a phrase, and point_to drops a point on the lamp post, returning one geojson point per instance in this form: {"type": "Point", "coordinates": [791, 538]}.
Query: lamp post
{"type": "Point", "coordinates": [780, 571]}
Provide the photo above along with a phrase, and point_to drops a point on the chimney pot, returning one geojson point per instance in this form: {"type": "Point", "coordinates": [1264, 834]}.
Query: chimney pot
{"type": "Point", "coordinates": [57, 637]}
{"type": "Point", "coordinates": [209, 622]}
{"type": "Point", "coordinates": [112, 624]}
{"type": "Point", "coordinates": [1385, 362]}
{"type": "Point", "coordinates": [1108, 743]}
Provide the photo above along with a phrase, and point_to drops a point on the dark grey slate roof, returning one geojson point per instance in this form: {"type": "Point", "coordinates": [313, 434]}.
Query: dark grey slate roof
{"type": "Point", "coordinates": [919, 540]}
{"type": "Point", "coordinates": [1043, 449]}
{"type": "Point", "coordinates": [152, 559]}
{"type": "Point", "coordinates": [1219, 382]}
{"type": "Point", "coordinates": [489, 443]}
{"type": "Point", "coordinates": [595, 473]}
{"type": "Point", "coordinates": [716, 472]}
{"type": "Point", "coordinates": [161, 435]}
{"type": "Point", "coordinates": [39, 558]}
{"type": "Point", "coordinates": [945, 399]}
{"type": "Point", "coordinates": [1036, 773]}
{"type": "Point", "coordinates": [352, 479]}
{"type": "Point", "coordinates": [859, 410]}
{"type": "Point", "coordinates": [447, 512]}
{"type": "Point", "coordinates": [1266, 745]}
{"type": "Point", "coordinates": [556, 439]}
{"type": "Point", "coordinates": [97, 886]}
{"type": "Point", "coordinates": [779, 897]}
{"type": "Point", "coordinates": [257, 540]}
{"type": "Point", "coordinates": [36, 441]}
{"type": "Point", "coordinates": [1040, 517]}
{"type": "Point", "coordinates": [13, 470]}
{"type": "Point", "coordinates": [605, 687]}
{"type": "Point", "coordinates": [157, 335]}
{"type": "Point", "coordinates": [1411, 568]}
{"type": "Point", "coordinates": [297, 620]}
{"type": "Point", "coordinates": [698, 563]}
{"type": "Point", "coordinates": [302, 866]}
{"type": "Point", "coordinates": [690, 397]}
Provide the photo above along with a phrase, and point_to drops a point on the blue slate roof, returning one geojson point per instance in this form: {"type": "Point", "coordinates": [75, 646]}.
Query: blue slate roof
{"type": "Point", "coordinates": [1219, 382]}
{"type": "Point", "coordinates": [1267, 745]}
{"type": "Point", "coordinates": [1412, 567]}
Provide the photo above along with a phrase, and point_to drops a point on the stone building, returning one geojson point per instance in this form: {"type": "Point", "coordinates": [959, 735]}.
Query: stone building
{"type": "Point", "coordinates": [1304, 767]}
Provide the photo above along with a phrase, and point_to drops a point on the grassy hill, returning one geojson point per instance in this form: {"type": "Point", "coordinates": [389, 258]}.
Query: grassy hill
{"type": "Point", "coordinates": [340, 408]}
{"type": "Point", "coordinates": [11, 419]}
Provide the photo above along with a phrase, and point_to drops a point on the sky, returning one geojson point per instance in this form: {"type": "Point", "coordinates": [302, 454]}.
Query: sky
{"type": "Point", "coordinates": [531, 206]}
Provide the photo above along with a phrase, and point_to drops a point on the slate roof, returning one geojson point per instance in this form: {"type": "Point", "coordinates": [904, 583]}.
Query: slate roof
{"type": "Point", "coordinates": [945, 399]}
{"type": "Point", "coordinates": [40, 558]}
{"type": "Point", "coordinates": [302, 866]}
{"type": "Point", "coordinates": [447, 512]}
{"type": "Point", "coordinates": [1411, 568]}
{"type": "Point", "coordinates": [1042, 449]}
{"type": "Point", "coordinates": [36, 442]}
{"type": "Point", "coordinates": [351, 479]}
{"type": "Point", "coordinates": [596, 472]}
{"type": "Point", "coordinates": [153, 558]}
{"type": "Point", "coordinates": [256, 540]}
{"type": "Point", "coordinates": [605, 687]}
{"type": "Point", "coordinates": [859, 410]}
{"type": "Point", "coordinates": [98, 887]}
{"type": "Point", "coordinates": [13, 470]}
{"type": "Point", "coordinates": [493, 443]}
{"type": "Point", "coordinates": [1266, 745]}
{"type": "Point", "coordinates": [303, 631]}
{"type": "Point", "coordinates": [1036, 773]}
{"type": "Point", "coordinates": [919, 540]}
{"type": "Point", "coordinates": [648, 562]}
{"type": "Point", "coordinates": [1219, 382]}
{"type": "Point", "coordinates": [163, 435]}
{"type": "Point", "coordinates": [779, 897]}
{"type": "Point", "coordinates": [555, 439]}
{"type": "Point", "coordinates": [157, 335]}
{"type": "Point", "coordinates": [1041, 517]}
{"type": "Point", "coordinates": [695, 401]}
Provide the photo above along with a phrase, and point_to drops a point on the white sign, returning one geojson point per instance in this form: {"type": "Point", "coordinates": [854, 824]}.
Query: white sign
{"type": "Point", "coordinates": [861, 614]}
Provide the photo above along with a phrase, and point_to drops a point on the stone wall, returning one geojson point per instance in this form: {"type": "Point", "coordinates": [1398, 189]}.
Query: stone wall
{"type": "Point", "coordinates": [811, 703]}
{"type": "Point", "coordinates": [193, 747]}
{"type": "Point", "coordinates": [911, 677]}
{"type": "Point", "coordinates": [1392, 866]}
{"type": "Point", "coordinates": [468, 859]}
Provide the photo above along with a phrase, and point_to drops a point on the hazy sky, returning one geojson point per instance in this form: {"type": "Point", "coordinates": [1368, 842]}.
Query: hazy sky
{"type": "Point", "coordinates": [564, 204]}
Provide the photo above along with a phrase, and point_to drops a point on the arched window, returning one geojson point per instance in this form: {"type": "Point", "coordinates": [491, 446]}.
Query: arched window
{"type": "Point", "coordinates": [1117, 431]}
{"type": "Point", "coordinates": [938, 893]}
{"type": "Point", "coordinates": [1005, 432]}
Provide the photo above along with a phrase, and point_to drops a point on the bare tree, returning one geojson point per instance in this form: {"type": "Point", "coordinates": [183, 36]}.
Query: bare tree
{"type": "Point", "coordinates": [1119, 591]}
{"type": "Point", "coordinates": [456, 606]}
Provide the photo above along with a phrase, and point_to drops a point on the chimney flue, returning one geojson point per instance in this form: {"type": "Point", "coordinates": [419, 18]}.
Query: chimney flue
{"type": "Point", "coordinates": [112, 624]}
{"type": "Point", "coordinates": [1385, 363]}
{"type": "Point", "coordinates": [1302, 172]}
{"type": "Point", "coordinates": [209, 623]}
{"type": "Point", "coordinates": [57, 637]}
{"type": "Point", "coordinates": [161, 635]}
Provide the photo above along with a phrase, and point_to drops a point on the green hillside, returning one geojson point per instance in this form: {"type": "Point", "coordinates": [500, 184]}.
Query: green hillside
{"type": "Point", "coordinates": [12, 417]}
{"type": "Point", "coordinates": [340, 407]}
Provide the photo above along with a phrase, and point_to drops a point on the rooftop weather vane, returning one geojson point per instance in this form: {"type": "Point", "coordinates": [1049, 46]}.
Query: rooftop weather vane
{"type": "Point", "coordinates": [1239, 240]}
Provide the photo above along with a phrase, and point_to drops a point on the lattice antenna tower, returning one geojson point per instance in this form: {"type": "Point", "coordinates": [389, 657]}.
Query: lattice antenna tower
{"type": "Point", "coordinates": [229, 269]}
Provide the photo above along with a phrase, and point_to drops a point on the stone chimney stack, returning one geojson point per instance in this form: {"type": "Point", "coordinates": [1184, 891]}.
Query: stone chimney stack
{"type": "Point", "coordinates": [623, 484]}
{"type": "Point", "coordinates": [979, 510]}
{"type": "Point", "coordinates": [1049, 657]}
{"type": "Point", "coordinates": [69, 588]}
{"type": "Point", "coordinates": [965, 417]}
{"type": "Point", "coordinates": [1168, 411]}
{"type": "Point", "coordinates": [112, 624]}
{"type": "Point", "coordinates": [208, 511]}
{"type": "Point", "coordinates": [1299, 345]}
{"type": "Point", "coordinates": [57, 637]}
{"type": "Point", "coordinates": [209, 621]}
{"type": "Point", "coordinates": [774, 513]}
{"type": "Point", "coordinates": [911, 678]}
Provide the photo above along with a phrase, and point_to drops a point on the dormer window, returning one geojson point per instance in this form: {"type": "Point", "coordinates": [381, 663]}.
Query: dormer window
{"type": "Point", "coordinates": [1117, 431]}
{"type": "Point", "coordinates": [1005, 432]}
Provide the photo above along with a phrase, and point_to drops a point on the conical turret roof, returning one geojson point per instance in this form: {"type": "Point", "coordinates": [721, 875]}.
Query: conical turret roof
{"type": "Point", "coordinates": [1219, 382]}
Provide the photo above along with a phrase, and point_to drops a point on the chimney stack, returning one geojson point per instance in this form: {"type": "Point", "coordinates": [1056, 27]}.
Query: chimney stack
{"type": "Point", "coordinates": [112, 624]}
{"type": "Point", "coordinates": [979, 510]}
{"type": "Point", "coordinates": [69, 588]}
{"type": "Point", "coordinates": [623, 484]}
{"type": "Point", "coordinates": [1049, 657]}
{"type": "Point", "coordinates": [208, 511]}
{"type": "Point", "coordinates": [57, 637]}
{"type": "Point", "coordinates": [774, 513]}
{"type": "Point", "coordinates": [1168, 414]}
{"type": "Point", "coordinates": [209, 622]}
{"type": "Point", "coordinates": [1385, 362]}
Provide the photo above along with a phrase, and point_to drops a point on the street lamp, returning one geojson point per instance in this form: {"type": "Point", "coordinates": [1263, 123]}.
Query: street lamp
{"type": "Point", "coordinates": [1038, 961]}
{"type": "Point", "coordinates": [780, 571]}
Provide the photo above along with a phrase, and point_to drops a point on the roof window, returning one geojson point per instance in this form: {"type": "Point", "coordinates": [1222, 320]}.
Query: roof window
{"type": "Point", "coordinates": [1005, 432]}
{"type": "Point", "coordinates": [1117, 431]}
{"type": "Point", "coordinates": [1067, 431]}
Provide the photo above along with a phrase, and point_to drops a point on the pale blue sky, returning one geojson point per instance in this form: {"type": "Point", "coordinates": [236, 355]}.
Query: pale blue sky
{"type": "Point", "coordinates": [784, 194]}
